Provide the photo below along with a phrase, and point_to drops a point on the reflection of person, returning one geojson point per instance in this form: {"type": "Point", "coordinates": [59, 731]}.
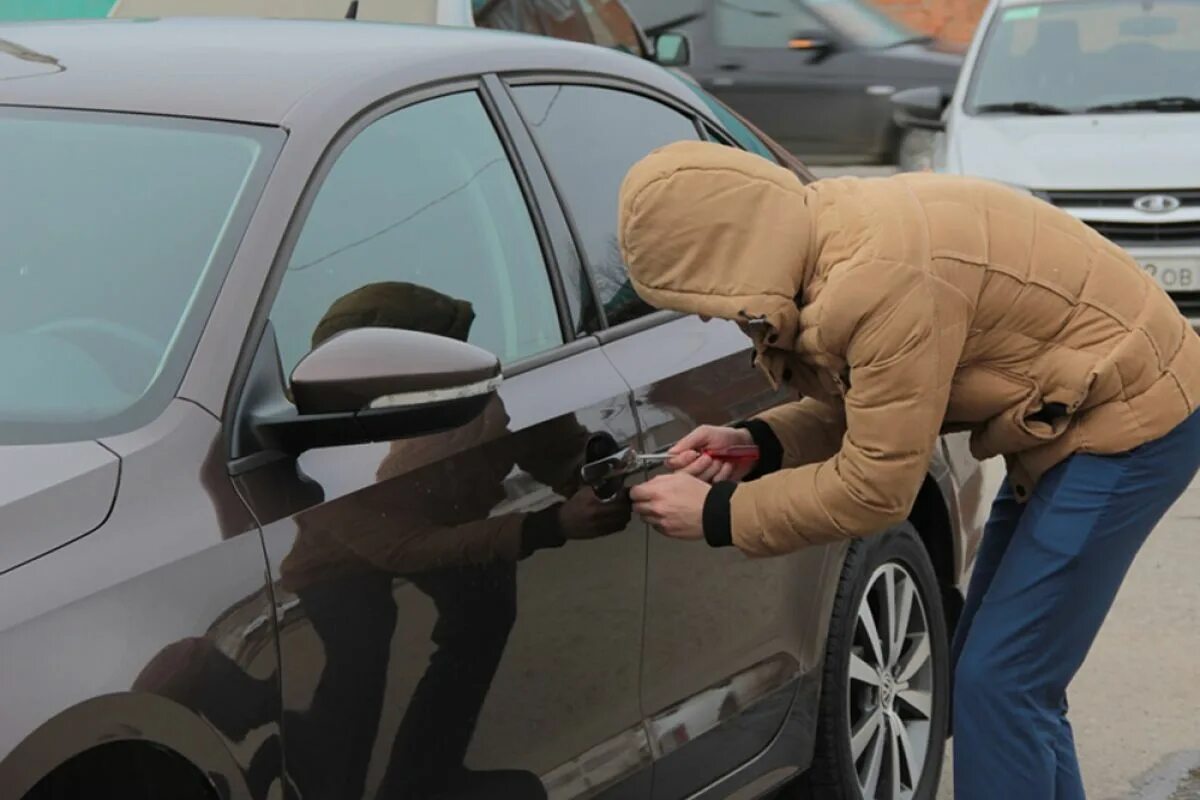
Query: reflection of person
{"type": "Point", "coordinates": [429, 519]}
{"type": "Point", "coordinates": [446, 502]}
{"type": "Point", "coordinates": [195, 673]}
{"type": "Point", "coordinates": [900, 307]}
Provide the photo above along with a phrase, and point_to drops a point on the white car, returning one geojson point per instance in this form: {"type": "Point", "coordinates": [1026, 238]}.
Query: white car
{"type": "Point", "coordinates": [1094, 106]}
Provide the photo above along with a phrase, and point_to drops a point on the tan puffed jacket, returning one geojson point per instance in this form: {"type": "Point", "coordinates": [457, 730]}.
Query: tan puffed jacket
{"type": "Point", "coordinates": [900, 308]}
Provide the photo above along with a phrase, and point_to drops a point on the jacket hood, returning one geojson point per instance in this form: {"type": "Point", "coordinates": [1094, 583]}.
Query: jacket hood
{"type": "Point", "coordinates": [708, 229]}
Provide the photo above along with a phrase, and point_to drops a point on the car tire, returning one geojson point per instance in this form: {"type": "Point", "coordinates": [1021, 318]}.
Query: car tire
{"type": "Point", "coordinates": [884, 709]}
{"type": "Point", "coordinates": [914, 150]}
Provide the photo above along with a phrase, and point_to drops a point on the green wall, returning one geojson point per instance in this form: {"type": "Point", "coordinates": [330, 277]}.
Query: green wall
{"type": "Point", "coordinates": [53, 9]}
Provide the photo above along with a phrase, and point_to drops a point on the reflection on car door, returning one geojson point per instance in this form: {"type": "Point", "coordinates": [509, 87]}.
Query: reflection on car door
{"type": "Point", "coordinates": [437, 636]}
{"type": "Point", "coordinates": [810, 104]}
{"type": "Point", "coordinates": [725, 636]}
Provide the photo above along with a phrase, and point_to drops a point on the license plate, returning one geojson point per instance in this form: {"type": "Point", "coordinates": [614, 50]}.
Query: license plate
{"type": "Point", "coordinates": [1174, 274]}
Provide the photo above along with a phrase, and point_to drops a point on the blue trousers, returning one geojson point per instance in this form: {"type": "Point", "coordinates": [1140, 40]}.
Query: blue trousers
{"type": "Point", "coordinates": [1045, 577]}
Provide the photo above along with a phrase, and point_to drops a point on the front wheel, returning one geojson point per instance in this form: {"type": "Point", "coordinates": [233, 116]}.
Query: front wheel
{"type": "Point", "coordinates": [885, 694]}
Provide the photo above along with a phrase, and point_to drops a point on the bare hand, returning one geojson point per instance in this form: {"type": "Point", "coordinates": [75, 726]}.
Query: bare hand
{"type": "Point", "coordinates": [673, 504]}
{"type": "Point", "coordinates": [586, 516]}
{"type": "Point", "coordinates": [687, 455]}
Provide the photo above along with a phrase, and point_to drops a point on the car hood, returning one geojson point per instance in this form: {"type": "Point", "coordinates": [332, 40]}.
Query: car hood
{"type": "Point", "coordinates": [52, 494]}
{"type": "Point", "coordinates": [1099, 151]}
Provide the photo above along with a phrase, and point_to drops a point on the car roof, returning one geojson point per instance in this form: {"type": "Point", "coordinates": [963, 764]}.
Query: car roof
{"type": "Point", "coordinates": [261, 71]}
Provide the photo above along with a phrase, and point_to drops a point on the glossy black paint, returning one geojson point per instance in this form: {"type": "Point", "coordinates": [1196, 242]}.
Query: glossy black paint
{"type": "Point", "coordinates": [189, 588]}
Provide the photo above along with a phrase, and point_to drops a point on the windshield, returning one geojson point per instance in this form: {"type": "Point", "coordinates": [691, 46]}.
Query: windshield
{"type": "Point", "coordinates": [115, 230]}
{"type": "Point", "coordinates": [1097, 55]}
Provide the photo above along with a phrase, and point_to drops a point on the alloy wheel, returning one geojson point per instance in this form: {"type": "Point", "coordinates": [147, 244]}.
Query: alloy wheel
{"type": "Point", "coordinates": [890, 687]}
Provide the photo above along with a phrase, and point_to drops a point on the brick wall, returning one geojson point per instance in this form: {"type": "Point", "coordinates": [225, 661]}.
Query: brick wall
{"type": "Point", "coordinates": [952, 21]}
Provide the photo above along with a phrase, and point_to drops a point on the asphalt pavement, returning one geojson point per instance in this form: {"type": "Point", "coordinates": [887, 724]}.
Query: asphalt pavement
{"type": "Point", "coordinates": [1135, 705]}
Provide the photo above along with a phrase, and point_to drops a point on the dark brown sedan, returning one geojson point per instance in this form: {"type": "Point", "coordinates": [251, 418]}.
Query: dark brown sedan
{"type": "Point", "coordinates": [307, 330]}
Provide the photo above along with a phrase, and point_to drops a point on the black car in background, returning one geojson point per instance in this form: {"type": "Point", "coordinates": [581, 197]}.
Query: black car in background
{"type": "Point", "coordinates": [306, 333]}
{"type": "Point", "coordinates": [815, 75]}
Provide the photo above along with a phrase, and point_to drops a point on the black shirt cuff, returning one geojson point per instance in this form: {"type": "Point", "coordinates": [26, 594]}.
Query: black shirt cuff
{"type": "Point", "coordinates": [770, 450]}
{"type": "Point", "coordinates": [541, 530]}
{"type": "Point", "coordinates": [717, 519]}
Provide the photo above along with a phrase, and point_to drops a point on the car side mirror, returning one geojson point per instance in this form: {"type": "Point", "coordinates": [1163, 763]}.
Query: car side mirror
{"type": "Point", "coordinates": [672, 49]}
{"type": "Point", "coordinates": [379, 384]}
{"type": "Point", "coordinates": [377, 368]}
{"type": "Point", "coordinates": [817, 44]}
{"type": "Point", "coordinates": [920, 108]}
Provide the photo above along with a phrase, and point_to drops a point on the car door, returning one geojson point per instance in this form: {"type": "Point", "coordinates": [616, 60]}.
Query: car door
{"type": "Point", "coordinates": [726, 636]}
{"type": "Point", "coordinates": [437, 635]}
{"type": "Point", "coordinates": [812, 102]}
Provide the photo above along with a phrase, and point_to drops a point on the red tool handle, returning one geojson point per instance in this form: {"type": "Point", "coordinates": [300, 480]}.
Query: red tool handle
{"type": "Point", "coordinates": [737, 454]}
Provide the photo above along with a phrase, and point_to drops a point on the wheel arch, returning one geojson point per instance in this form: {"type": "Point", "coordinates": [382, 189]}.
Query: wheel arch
{"type": "Point", "coordinates": [931, 516]}
{"type": "Point", "coordinates": [149, 720]}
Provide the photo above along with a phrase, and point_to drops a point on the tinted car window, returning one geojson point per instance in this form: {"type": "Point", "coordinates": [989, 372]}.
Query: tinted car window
{"type": "Point", "coordinates": [761, 23]}
{"type": "Point", "coordinates": [423, 199]}
{"type": "Point", "coordinates": [602, 22]}
{"type": "Point", "coordinates": [560, 20]}
{"type": "Point", "coordinates": [741, 134]}
{"type": "Point", "coordinates": [116, 232]}
{"type": "Point", "coordinates": [733, 125]}
{"type": "Point", "coordinates": [611, 25]}
{"type": "Point", "coordinates": [503, 15]}
{"type": "Point", "coordinates": [586, 135]}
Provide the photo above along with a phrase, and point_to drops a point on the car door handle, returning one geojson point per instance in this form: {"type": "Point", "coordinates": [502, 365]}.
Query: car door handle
{"type": "Point", "coordinates": [601, 473]}
{"type": "Point", "coordinates": [729, 66]}
{"type": "Point", "coordinates": [606, 464]}
{"type": "Point", "coordinates": [606, 473]}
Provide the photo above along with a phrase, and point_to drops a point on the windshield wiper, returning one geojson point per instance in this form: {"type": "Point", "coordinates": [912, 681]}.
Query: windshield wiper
{"type": "Point", "coordinates": [1021, 107]}
{"type": "Point", "coordinates": [1165, 104]}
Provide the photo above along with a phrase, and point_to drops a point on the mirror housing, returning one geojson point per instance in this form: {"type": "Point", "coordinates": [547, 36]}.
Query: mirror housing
{"type": "Point", "coordinates": [378, 384]}
{"type": "Point", "coordinates": [672, 49]}
{"type": "Point", "coordinates": [818, 44]}
{"type": "Point", "coordinates": [920, 108]}
{"type": "Point", "coordinates": [373, 368]}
